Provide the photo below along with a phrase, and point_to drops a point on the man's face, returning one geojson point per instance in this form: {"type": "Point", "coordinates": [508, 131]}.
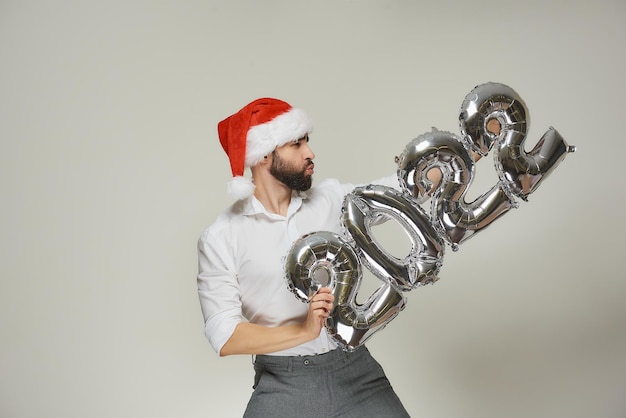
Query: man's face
{"type": "Point", "coordinates": [292, 164]}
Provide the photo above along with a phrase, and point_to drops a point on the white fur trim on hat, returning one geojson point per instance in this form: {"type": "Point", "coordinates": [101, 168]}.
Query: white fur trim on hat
{"type": "Point", "coordinates": [264, 138]}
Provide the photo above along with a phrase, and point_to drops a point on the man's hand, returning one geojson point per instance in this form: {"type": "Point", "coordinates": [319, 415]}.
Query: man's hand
{"type": "Point", "coordinates": [319, 308]}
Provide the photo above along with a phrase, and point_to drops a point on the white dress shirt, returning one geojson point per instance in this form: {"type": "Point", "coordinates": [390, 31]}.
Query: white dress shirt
{"type": "Point", "coordinates": [240, 263]}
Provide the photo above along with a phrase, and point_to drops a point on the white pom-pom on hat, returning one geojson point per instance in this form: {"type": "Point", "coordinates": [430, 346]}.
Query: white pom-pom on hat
{"type": "Point", "coordinates": [254, 132]}
{"type": "Point", "coordinates": [240, 187]}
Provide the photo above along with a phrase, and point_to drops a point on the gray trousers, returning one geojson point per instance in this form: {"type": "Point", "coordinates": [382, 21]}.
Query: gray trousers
{"type": "Point", "coordinates": [334, 384]}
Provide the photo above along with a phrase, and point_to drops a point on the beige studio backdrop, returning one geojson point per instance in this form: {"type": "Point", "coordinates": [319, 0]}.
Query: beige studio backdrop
{"type": "Point", "coordinates": [110, 168]}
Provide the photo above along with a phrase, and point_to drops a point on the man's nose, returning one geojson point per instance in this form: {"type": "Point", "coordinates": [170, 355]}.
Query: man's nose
{"type": "Point", "coordinates": [309, 153]}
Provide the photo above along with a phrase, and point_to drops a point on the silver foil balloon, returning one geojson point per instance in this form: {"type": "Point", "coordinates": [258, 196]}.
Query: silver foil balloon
{"type": "Point", "coordinates": [352, 324]}
{"type": "Point", "coordinates": [325, 259]}
{"type": "Point", "coordinates": [454, 219]}
{"type": "Point", "coordinates": [435, 150]}
{"type": "Point", "coordinates": [320, 259]}
{"type": "Point", "coordinates": [366, 206]}
{"type": "Point", "coordinates": [520, 172]}
{"type": "Point", "coordinates": [486, 102]}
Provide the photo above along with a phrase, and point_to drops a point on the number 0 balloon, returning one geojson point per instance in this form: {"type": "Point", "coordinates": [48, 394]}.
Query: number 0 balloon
{"type": "Point", "coordinates": [326, 259]}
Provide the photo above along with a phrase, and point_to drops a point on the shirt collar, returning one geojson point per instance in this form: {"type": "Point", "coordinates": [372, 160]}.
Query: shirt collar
{"type": "Point", "coordinates": [252, 206]}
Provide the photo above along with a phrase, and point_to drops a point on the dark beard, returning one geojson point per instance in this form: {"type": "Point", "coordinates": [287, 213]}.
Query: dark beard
{"type": "Point", "coordinates": [290, 176]}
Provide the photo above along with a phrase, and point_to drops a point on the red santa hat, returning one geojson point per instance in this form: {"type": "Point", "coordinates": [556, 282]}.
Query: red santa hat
{"type": "Point", "coordinates": [254, 132]}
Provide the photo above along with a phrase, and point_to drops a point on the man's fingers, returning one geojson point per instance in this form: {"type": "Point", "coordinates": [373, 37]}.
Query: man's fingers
{"type": "Point", "coordinates": [323, 293]}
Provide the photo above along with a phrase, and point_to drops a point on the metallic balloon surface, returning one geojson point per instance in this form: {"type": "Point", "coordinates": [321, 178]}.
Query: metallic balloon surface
{"type": "Point", "coordinates": [324, 259]}
{"type": "Point", "coordinates": [520, 172]}
{"type": "Point", "coordinates": [320, 259]}
{"type": "Point", "coordinates": [328, 259]}
{"type": "Point", "coordinates": [455, 219]}
{"type": "Point", "coordinates": [374, 203]}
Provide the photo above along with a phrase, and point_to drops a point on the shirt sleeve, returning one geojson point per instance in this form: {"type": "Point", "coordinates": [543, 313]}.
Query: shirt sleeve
{"type": "Point", "coordinates": [218, 289]}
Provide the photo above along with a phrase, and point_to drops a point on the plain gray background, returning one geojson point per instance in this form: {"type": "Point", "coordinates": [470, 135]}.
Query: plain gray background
{"type": "Point", "coordinates": [110, 168]}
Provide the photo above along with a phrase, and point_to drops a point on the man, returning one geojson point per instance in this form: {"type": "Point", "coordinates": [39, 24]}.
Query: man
{"type": "Point", "coordinates": [245, 300]}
